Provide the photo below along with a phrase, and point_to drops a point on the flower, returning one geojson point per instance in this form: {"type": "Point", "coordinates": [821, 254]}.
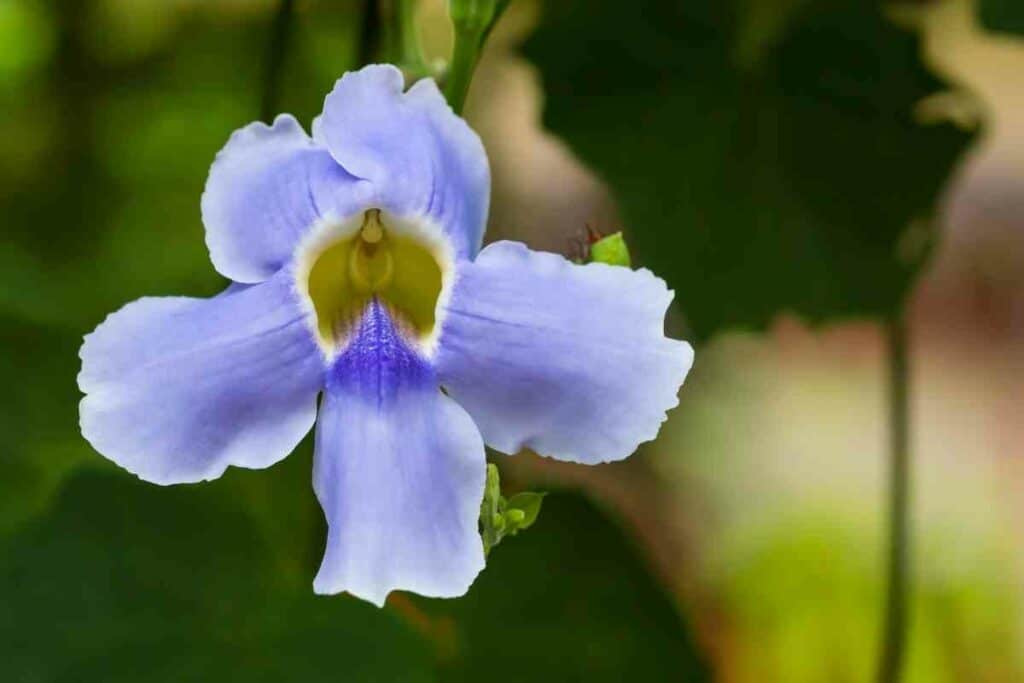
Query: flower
{"type": "Point", "coordinates": [358, 276]}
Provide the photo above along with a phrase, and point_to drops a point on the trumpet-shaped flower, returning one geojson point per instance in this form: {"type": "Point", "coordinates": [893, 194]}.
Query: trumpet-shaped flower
{"type": "Point", "coordinates": [358, 280]}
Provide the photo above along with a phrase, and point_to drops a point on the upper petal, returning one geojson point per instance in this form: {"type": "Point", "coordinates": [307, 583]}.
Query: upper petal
{"type": "Point", "coordinates": [266, 187]}
{"type": "Point", "coordinates": [421, 158]}
{"type": "Point", "coordinates": [399, 471]}
{"type": "Point", "coordinates": [571, 361]}
{"type": "Point", "coordinates": [177, 389]}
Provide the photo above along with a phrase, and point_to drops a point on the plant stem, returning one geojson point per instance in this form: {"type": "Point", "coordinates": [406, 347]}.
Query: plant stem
{"type": "Point", "coordinates": [369, 46]}
{"type": "Point", "coordinates": [891, 661]}
{"type": "Point", "coordinates": [460, 71]}
{"type": "Point", "coordinates": [472, 22]}
{"type": "Point", "coordinates": [278, 47]}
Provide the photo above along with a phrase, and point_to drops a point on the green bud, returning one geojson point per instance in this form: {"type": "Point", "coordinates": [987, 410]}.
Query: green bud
{"type": "Point", "coordinates": [475, 16]}
{"type": "Point", "coordinates": [472, 21]}
{"type": "Point", "coordinates": [527, 504]}
{"type": "Point", "coordinates": [492, 489]}
{"type": "Point", "coordinates": [612, 250]}
{"type": "Point", "coordinates": [500, 517]}
{"type": "Point", "coordinates": [492, 521]}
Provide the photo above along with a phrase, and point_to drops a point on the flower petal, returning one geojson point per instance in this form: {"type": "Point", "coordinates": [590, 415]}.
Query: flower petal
{"type": "Point", "coordinates": [177, 389]}
{"type": "Point", "coordinates": [568, 360]}
{"type": "Point", "coordinates": [421, 158]}
{"type": "Point", "coordinates": [266, 187]}
{"type": "Point", "coordinates": [399, 470]}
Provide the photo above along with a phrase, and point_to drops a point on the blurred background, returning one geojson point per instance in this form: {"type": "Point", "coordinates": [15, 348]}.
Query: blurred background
{"type": "Point", "coordinates": [796, 169]}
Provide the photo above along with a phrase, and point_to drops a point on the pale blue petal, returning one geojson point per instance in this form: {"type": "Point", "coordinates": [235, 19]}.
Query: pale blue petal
{"type": "Point", "coordinates": [266, 187]}
{"type": "Point", "coordinates": [399, 471]}
{"type": "Point", "coordinates": [177, 388]}
{"type": "Point", "coordinates": [421, 158]}
{"type": "Point", "coordinates": [570, 361]}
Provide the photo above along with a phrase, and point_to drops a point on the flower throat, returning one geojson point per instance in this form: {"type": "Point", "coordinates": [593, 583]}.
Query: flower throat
{"type": "Point", "coordinates": [398, 268]}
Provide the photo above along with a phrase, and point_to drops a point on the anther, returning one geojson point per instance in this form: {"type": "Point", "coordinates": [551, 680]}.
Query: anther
{"type": "Point", "coordinates": [372, 230]}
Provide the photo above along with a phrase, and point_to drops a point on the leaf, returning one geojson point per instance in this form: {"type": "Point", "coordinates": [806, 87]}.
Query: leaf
{"type": "Point", "coordinates": [126, 581]}
{"type": "Point", "coordinates": [1005, 16]}
{"type": "Point", "coordinates": [38, 417]}
{"type": "Point", "coordinates": [529, 503]}
{"type": "Point", "coordinates": [762, 166]}
{"type": "Point", "coordinates": [569, 601]}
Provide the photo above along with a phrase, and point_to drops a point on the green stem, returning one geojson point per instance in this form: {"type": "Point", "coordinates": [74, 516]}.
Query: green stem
{"type": "Point", "coordinates": [279, 38]}
{"type": "Point", "coordinates": [891, 662]}
{"type": "Point", "coordinates": [465, 55]}
{"type": "Point", "coordinates": [472, 21]}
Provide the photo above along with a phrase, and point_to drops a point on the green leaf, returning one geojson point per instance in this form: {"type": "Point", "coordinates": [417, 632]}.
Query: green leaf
{"type": "Point", "coordinates": [126, 581]}
{"type": "Point", "coordinates": [762, 166]}
{"type": "Point", "coordinates": [38, 417]}
{"type": "Point", "coordinates": [528, 504]}
{"type": "Point", "coordinates": [569, 601]}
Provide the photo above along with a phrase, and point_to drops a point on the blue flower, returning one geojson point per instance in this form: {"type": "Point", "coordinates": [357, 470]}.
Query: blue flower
{"type": "Point", "coordinates": [358, 276]}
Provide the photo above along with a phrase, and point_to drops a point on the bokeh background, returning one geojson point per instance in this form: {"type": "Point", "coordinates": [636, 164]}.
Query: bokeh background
{"type": "Point", "coordinates": [797, 170]}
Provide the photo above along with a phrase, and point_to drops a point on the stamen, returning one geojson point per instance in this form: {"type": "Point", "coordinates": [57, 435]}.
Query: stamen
{"type": "Point", "coordinates": [401, 266]}
{"type": "Point", "coordinates": [371, 263]}
{"type": "Point", "coordinates": [372, 230]}
{"type": "Point", "coordinates": [371, 266]}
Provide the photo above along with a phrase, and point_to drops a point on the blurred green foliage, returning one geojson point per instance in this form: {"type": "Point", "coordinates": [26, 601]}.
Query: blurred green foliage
{"type": "Point", "coordinates": [802, 581]}
{"type": "Point", "coordinates": [764, 153]}
{"type": "Point", "coordinates": [130, 582]}
{"type": "Point", "coordinates": [568, 601]}
{"type": "Point", "coordinates": [1002, 15]}
{"type": "Point", "coordinates": [791, 540]}
{"type": "Point", "coordinates": [125, 581]}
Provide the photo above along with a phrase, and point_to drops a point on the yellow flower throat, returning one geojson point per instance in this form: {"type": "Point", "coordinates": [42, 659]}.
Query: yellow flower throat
{"type": "Point", "coordinates": [397, 267]}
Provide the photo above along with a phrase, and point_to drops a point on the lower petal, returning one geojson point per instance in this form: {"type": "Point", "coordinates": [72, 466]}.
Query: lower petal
{"type": "Point", "coordinates": [399, 470]}
{"type": "Point", "coordinates": [177, 389]}
{"type": "Point", "coordinates": [571, 361]}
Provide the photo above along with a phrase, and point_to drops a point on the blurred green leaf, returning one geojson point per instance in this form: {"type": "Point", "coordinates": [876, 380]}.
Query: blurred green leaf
{"type": "Point", "coordinates": [38, 417]}
{"type": "Point", "coordinates": [126, 581]}
{"type": "Point", "coordinates": [1006, 16]}
{"type": "Point", "coordinates": [763, 166]}
{"type": "Point", "coordinates": [26, 40]}
{"type": "Point", "coordinates": [569, 601]}
{"type": "Point", "coordinates": [798, 583]}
